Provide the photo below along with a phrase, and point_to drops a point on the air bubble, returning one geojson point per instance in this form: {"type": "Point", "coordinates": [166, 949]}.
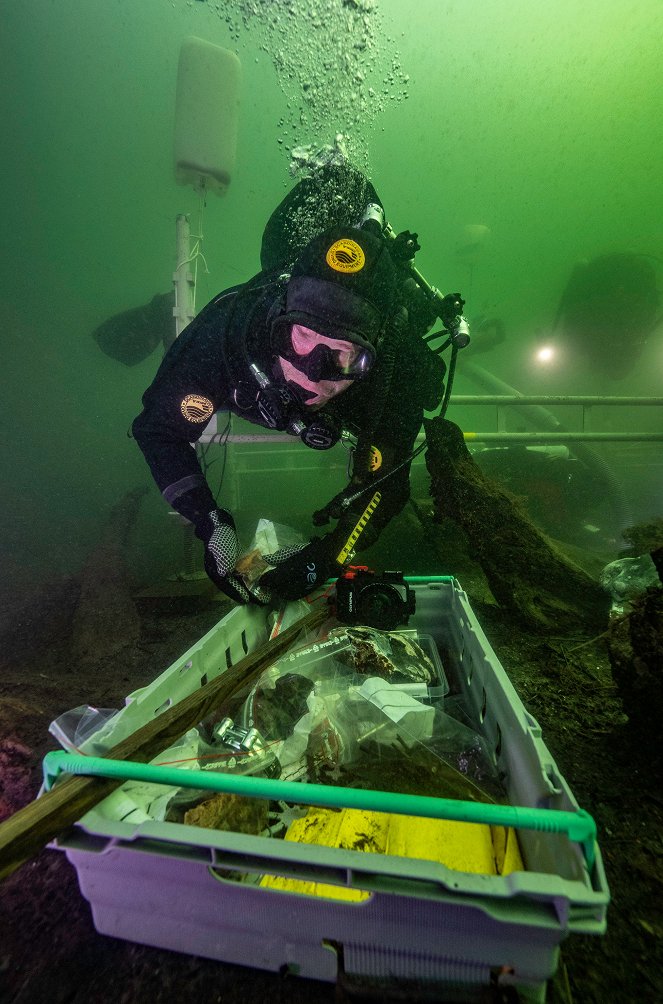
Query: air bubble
{"type": "Point", "coordinates": [330, 65]}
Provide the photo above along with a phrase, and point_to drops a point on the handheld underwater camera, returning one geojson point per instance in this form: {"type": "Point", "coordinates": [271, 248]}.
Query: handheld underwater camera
{"type": "Point", "coordinates": [381, 601]}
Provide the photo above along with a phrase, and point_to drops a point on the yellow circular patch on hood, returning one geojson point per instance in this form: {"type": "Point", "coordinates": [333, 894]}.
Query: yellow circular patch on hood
{"type": "Point", "coordinates": [346, 255]}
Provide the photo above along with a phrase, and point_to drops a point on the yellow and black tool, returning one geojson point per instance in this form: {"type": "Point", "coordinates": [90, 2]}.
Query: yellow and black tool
{"type": "Point", "coordinates": [347, 551]}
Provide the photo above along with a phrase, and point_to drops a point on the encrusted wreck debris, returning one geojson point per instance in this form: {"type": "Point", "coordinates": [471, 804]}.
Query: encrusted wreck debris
{"type": "Point", "coordinates": [106, 621]}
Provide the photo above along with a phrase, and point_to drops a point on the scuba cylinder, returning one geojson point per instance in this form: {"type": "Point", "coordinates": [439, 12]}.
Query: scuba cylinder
{"type": "Point", "coordinates": [446, 307]}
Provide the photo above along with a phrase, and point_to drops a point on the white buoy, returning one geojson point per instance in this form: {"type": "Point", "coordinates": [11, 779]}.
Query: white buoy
{"type": "Point", "coordinates": [472, 241]}
{"type": "Point", "coordinates": [206, 115]}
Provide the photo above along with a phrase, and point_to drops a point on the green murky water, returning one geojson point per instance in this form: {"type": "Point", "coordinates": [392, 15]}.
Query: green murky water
{"type": "Point", "coordinates": [516, 139]}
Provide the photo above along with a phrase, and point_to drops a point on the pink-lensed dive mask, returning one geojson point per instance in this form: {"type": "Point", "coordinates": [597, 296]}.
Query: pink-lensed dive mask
{"type": "Point", "coordinates": [322, 367]}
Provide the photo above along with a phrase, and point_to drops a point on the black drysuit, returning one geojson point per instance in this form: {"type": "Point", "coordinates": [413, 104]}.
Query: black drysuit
{"type": "Point", "coordinates": [207, 370]}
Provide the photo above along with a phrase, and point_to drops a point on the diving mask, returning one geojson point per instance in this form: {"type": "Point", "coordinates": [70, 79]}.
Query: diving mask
{"type": "Point", "coordinates": [320, 357]}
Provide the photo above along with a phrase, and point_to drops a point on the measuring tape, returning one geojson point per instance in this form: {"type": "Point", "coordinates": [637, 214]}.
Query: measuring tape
{"type": "Point", "coordinates": [348, 548]}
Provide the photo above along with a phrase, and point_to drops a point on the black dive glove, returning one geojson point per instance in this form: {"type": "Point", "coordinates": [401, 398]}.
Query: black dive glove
{"type": "Point", "coordinates": [299, 570]}
{"type": "Point", "coordinates": [218, 534]}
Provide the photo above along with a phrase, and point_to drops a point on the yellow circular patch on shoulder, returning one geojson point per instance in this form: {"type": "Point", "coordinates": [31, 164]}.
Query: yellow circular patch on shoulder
{"type": "Point", "coordinates": [375, 459]}
{"type": "Point", "coordinates": [346, 255]}
{"type": "Point", "coordinates": [196, 408]}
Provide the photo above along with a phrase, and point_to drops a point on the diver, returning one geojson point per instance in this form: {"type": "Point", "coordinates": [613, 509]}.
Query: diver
{"type": "Point", "coordinates": [324, 342]}
{"type": "Point", "coordinates": [608, 309]}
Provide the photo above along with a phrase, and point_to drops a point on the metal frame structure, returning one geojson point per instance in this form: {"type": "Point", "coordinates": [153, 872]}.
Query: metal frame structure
{"type": "Point", "coordinates": [500, 402]}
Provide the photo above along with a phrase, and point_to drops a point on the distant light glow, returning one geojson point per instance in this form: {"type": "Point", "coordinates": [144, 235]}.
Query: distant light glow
{"type": "Point", "coordinates": [545, 354]}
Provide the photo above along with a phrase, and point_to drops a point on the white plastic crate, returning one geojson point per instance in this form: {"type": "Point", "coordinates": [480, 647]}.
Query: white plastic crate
{"type": "Point", "coordinates": [154, 883]}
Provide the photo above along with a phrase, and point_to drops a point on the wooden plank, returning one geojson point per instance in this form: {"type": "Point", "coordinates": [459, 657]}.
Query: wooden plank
{"type": "Point", "coordinates": [25, 833]}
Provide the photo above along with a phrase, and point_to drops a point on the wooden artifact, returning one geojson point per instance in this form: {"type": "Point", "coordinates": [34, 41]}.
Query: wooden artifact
{"type": "Point", "coordinates": [28, 830]}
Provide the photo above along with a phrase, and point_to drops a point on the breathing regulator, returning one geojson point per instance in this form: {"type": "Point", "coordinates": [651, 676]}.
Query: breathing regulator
{"type": "Point", "coordinates": [280, 409]}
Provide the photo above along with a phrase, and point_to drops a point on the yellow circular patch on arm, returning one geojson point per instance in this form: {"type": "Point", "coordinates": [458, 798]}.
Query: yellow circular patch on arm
{"type": "Point", "coordinates": [374, 460]}
{"type": "Point", "coordinates": [196, 408]}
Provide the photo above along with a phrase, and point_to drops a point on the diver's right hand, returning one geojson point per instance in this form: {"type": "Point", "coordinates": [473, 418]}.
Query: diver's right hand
{"type": "Point", "coordinates": [218, 534]}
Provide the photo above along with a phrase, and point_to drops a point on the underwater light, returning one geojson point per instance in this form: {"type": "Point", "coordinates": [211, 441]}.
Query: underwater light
{"type": "Point", "coordinates": [546, 354]}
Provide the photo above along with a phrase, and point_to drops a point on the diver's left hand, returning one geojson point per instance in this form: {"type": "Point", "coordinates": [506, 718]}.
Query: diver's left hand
{"type": "Point", "coordinates": [298, 571]}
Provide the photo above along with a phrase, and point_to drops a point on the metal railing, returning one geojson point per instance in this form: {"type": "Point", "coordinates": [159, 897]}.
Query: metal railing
{"type": "Point", "coordinates": [585, 401]}
{"type": "Point", "coordinates": [500, 402]}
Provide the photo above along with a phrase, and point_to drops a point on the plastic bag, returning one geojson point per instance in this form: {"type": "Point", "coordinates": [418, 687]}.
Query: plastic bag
{"type": "Point", "coordinates": [268, 538]}
{"type": "Point", "coordinates": [627, 578]}
{"type": "Point", "coordinates": [333, 724]}
{"type": "Point", "coordinates": [393, 655]}
{"type": "Point", "coordinates": [75, 727]}
{"type": "Point", "coordinates": [320, 714]}
{"type": "Point", "coordinates": [410, 744]}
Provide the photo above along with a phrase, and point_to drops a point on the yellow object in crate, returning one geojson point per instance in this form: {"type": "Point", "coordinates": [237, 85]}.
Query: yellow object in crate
{"type": "Point", "coordinates": [467, 847]}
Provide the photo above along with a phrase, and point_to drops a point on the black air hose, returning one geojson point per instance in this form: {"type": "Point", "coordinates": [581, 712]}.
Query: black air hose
{"type": "Point", "coordinates": [393, 339]}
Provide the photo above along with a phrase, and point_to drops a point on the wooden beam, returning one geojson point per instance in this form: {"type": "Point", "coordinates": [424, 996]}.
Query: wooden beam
{"type": "Point", "coordinates": [26, 832]}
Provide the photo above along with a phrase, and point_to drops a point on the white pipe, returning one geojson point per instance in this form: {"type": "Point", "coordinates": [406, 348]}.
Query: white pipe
{"type": "Point", "coordinates": [183, 276]}
{"type": "Point", "coordinates": [564, 437]}
{"type": "Point", "coordinates": [472, 437]}
{"type": "Point", "coordinates": [589, 401]}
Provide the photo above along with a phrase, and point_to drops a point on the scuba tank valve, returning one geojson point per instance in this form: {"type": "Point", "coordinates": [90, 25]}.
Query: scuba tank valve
{"type": "Point", "coordinates": [447, 307]}
{"type": "Point", "coordinates": [373, 219]}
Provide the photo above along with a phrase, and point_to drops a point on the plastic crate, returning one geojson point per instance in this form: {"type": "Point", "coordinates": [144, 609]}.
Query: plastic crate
{"type": "Point", "coordinates": [157, 884]}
